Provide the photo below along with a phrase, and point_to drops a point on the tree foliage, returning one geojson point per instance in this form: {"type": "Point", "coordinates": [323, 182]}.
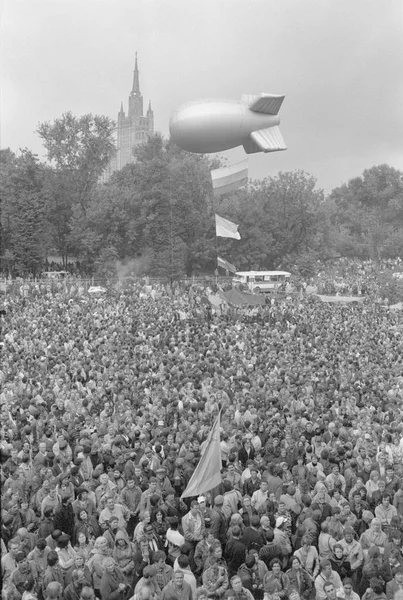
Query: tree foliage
{"type": "Point", "coordinates": [157, 214]}
{"type": "Point", "coordinates": [24, 227]}
{"type": "Point", "coordinates": [367, 214]}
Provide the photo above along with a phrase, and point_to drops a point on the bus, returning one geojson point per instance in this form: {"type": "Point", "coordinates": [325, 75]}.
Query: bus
{"type": "Point", "coordinates": [55, 274]}
{"type": "Point", "coordinates": [261, 281]}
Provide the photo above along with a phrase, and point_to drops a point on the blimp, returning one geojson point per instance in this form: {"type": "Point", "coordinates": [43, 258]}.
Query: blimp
{"type": "Point", "coordinates": [214, 125]}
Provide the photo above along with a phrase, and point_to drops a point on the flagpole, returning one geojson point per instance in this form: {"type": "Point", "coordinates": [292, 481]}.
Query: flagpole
{"type": "Point", "coordinates": [216, 238]}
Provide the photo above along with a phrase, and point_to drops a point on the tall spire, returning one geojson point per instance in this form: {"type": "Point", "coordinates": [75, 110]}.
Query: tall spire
{"type": "Point", "coordinates": [136, 81]}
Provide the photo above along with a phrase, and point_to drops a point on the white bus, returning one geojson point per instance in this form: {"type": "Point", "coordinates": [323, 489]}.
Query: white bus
{"type": "Point", "coordinates": [261, 281]}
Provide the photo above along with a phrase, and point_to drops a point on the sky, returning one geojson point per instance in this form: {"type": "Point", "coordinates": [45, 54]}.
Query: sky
{"type": "Point", "coordinates": [338, 62]}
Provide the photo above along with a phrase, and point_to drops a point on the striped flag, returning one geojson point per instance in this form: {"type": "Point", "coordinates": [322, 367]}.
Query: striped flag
{"type": "Point", "coordinates": [224, 264]}
{"type": "Point", "coordinates": [227, 179]}
{"type": "Point", "coordinates": [225, 228]}
{"type": "Point", "coordinates": [207, 474]}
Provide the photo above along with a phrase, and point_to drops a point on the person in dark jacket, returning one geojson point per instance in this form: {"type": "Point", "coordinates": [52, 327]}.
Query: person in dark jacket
{"type": "Point", "coordinates": [252, 537]}
{"type": "Point", "coordinates": [246, 452]}
{"type": "Point", "coordinates": [219, 521]}
{"type": "Point", "coordinates": [235, 551]}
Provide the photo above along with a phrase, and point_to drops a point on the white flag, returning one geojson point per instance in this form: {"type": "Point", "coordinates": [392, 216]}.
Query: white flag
{"type": "Point", "coordinates": [225, 228]}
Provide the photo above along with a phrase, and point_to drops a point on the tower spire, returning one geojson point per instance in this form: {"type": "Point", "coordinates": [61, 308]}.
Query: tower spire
{"type": "Point", "coordinates": [136, 80]}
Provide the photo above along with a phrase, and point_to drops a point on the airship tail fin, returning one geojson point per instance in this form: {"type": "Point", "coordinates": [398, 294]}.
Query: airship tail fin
{"type": "Point", "coordinates": [265, 140]}
{"type": "Point", "coordinates": [269, 104]}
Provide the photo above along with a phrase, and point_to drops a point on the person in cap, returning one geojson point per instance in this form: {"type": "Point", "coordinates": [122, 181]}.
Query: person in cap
{"type": "Point", "coordinates": [163, 483]}
{"type": "Point", "coordinates": [205, 510]}
{"type": "Point", "coordinates": [281, 537]}
{"type": "Point", "coordinates": [154, 541]}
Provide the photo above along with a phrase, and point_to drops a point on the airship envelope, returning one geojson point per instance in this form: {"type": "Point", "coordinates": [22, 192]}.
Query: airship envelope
{"type": "Point", "coordinates": [211, 125]}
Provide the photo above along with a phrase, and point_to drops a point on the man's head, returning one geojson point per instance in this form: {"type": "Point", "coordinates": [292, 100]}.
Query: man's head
{"type": "Point", "coordinates": [194, 508]}
{"type": "Point", "coordinates": [13, 546]}
{"type": "Point", "coordinates": [399, 575]}
{"type": "Point", "coordinates": [376, 525]}
{"type": "Point", "coordinates": [236, 583]}
{"type": "Point", "coordinates": [386, 501]}
{"type": "Point", "coordinates": [53, 558]}
{"type": "Point", "coordinates": [53, 591]}
{"type": "Point", "coordinates": [348, 534]}
{"type": "Point", "coordinates": [325, 567]}
{"type": "Point", "coordinates": [110, 503]}
{"type": "Point", "coordinates": [178, 578]}
{"type": "Point", "coordinates": [329, 590]}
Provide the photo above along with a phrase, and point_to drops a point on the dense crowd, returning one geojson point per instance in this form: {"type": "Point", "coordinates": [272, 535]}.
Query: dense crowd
{"type": "Point", "coordinates": [106, 405]}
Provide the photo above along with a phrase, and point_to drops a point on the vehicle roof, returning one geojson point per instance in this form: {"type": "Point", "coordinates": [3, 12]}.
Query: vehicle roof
{"type": "Point", "coordinates": [262, 273]}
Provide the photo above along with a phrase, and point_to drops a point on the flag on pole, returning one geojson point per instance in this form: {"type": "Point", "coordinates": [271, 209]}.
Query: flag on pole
{"type": "Point", "coordinates": [208, 471]}
{"type": "Point", "coordinates": [224, 264]}
{"type": "Point", "coordinates": [225, 228]}
{"type": "Point", "coordinates": [230, 178]}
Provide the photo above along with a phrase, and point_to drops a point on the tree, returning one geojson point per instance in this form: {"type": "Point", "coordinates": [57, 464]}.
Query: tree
{"type": "Point", "coordinates": [367, 214]}
{"type": "Point", "coordinates": [78, 149]}
{"type": "Point", "coordinates": [279, 219]}
{"type": "Point", "coordinates": [24, 223]}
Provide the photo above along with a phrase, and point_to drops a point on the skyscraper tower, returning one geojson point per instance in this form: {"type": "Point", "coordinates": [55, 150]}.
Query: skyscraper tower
{"type": "Point", "coordinates": [132, 129]}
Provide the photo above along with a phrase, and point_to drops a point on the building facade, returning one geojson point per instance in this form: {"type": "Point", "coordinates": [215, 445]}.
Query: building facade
{"type": "Point", "coordinates": [132, 129]}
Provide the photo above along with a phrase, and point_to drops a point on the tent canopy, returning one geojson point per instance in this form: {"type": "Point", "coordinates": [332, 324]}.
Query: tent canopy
{"type": "Point", "coordinates": [340, 299]}
{"type": "Point", "coordinates": [237, 298]}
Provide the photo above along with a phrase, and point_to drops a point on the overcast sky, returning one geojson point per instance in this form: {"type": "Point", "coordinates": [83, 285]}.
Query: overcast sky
{"type": "Point", "coordinates": [339, 63]}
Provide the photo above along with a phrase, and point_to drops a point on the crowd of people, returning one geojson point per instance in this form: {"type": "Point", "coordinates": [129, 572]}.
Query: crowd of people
{"type": "Point", "coordinates": [106, 406]}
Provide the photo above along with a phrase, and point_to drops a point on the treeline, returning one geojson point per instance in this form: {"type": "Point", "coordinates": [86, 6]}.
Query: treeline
{"type": "Point", "coordinates": [156, 215]}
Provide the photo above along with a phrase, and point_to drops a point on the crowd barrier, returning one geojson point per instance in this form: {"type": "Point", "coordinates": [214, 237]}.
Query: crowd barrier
{"type": "Point", "coordinates": [76, 287]}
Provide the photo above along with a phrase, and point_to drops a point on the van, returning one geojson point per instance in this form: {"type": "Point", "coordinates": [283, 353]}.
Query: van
{"type": "Point", "coordinates": [55, 274]}
{"type": "Point", "coordinates": [258, 282]}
